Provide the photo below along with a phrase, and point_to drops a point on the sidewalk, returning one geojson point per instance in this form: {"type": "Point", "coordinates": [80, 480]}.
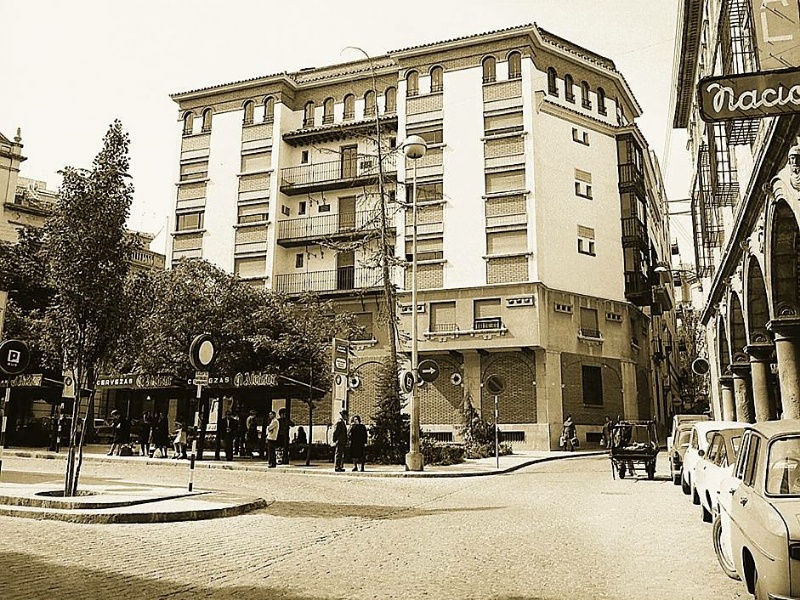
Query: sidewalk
{"type": "Point", "coordinates": [120, 502]}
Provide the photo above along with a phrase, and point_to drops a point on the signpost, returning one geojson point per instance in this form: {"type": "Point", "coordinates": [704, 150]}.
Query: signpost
{"type": "Point", "coordinates": [495, 384]}
{"type": "Point", "coordinates": [14, 359]}
{"type": "Point", "coordinates": [202, 354]}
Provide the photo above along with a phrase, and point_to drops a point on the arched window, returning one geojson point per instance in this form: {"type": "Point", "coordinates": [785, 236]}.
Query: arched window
{"type": "Point", "coordinates": [207, 119]}
{"type": "Point", "coordinates": [188, 123]}
{"type": "Point", "coordinates": [437, 79]}
{"type": "Point", "coordinates": [586, 101]}
{"type": "Point", "coordinates": [248, 112]}
{"type": "Point", "coordinates": [308, 114]}
{"type": "Point", "coordinates": [412, 83]}
{"type": "Point", "coordinates": [601, 101]}
{"type": "Point", "coordinates": [390, 97]}
{"type": "Point", "coordinates": [327, 111]}
{"type": "Point", "coordinates": [552, 81]}
{"type": "Point", "coordinates": [349, 107]}
{"type": "Point", "coordinates": [569, 94]}
{"type": "Point", "coordinates": [369, 103]}
{"type": "Point", "coordinates": [489, 69]}
{"type": "Point", "coordinates": [269, 109]}
{"type": "Point", "coordinates": [514, 65]}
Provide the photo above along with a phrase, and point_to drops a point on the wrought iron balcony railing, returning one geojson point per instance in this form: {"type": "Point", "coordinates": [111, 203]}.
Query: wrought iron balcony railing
{"type": "Point", "coordinates": [335, 173]}
{"type": "Point", "coordinates": [341, 224]}
{"type": "Point", "coordinates": [342, 279]}
{"type": "Point", "coordinates": [634, 233]}
{"type": "Point", "coordinates": [630, 175]}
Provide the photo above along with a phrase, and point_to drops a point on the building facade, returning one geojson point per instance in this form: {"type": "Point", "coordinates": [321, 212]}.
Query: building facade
{"type": "Point", "coordinates": [541, 216]}
{"type": "Point", "coordinates": [744, 196]}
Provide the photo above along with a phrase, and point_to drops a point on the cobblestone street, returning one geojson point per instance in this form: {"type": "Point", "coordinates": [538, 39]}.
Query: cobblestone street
{"type": "Point", "coordinates": [563, 529]}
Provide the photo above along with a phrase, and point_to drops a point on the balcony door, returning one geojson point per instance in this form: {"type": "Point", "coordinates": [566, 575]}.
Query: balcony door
{"type": "Point", "coordinates": [349, 162]}
{"type": "Point", "coordinates": [347, 213]}
{"type": "Point", "coordinates": [345, 270]}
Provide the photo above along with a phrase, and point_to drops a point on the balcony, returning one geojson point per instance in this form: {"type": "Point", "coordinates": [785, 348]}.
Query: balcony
{"type": "Point", "coordinates": [630, 175]}
{"type": "Point", "coordinates": [637, 288]}
{"type": "Point", "coordinates": [487, 323]}
{"type": "Point", "coordinates": [634, 233]}
{"type": "Point", "coordinates": [297, 232]}
{"type": "Point", "coordinates": [335, 174]}
{"type": "Point", "coordinates": [343, 279]}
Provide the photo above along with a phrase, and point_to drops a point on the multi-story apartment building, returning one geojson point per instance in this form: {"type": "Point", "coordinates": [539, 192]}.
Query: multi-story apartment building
{"type": "Point", "coordinates": [744, 197]}
{"type": "Point", "coordinates": [541, 218]}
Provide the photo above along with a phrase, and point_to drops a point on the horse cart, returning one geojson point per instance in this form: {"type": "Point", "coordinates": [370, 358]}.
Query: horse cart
{"type": "Point", "coordinates": [634, 444]}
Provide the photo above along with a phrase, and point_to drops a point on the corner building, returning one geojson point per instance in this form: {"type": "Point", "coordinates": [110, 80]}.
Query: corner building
{"type": "Point", "coordinates": [541, 215]}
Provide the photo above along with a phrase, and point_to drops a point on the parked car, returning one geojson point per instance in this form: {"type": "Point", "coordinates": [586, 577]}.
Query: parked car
{"type": "Point", "coordinates": [103, 431]}
{"type": "Point", "coordinates": [678, 442]}
{"type": "Point", "coordinates": [701, 436]}
{"type": "Point", "coordinates": [715, 465]}
{"type": "Point", "coordinates": [757, 531]}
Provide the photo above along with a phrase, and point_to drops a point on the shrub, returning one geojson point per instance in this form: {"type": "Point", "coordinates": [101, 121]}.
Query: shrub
{"type": "Point", "coordinates": [479, 434]}
{"type": "Point", "coordinates": [441, 453]}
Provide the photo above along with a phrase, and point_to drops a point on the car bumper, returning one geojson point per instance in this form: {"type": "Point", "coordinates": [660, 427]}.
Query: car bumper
{"type": "Point", "coordinates": [782, 597]}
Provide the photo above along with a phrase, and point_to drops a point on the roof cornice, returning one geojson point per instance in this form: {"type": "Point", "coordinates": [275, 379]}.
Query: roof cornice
{"type": "Point", "coordinates": [691, 15]}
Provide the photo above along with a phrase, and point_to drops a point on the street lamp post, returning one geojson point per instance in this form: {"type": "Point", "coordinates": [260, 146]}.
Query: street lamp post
{"type": "Point", "coordinates": [414, 148]}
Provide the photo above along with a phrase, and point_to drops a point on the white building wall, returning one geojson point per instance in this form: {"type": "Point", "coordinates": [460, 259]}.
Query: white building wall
{"type": "Point", "coordinates": [222, 189]}
{"type": "Point", "coordinates": [464, 214]}
{"type": "Point", "coordinates": [560, 210]}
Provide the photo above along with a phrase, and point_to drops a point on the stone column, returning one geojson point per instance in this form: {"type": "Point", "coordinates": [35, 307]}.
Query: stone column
{"type": "Point", "coordinates": [763, 396]}
{"type": "Point", "coordinates": [787, 335]}
{"type": "Point", "coordinates": [728, 405]}
{"type": "Point", "coordinates": [743, 399]}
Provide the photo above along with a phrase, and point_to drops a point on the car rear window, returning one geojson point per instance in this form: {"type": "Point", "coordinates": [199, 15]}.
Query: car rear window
{"type": "Point", "coordinates": [783, 467]}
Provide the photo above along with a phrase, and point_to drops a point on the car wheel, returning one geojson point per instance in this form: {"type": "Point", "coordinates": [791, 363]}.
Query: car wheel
{"type": "Point", "coordinates": [685, 486]}
{"type": "Point", "coordinates": [695, 497]}
{"type": "Point", "coordinates": [759, 592]}
{"type": "Point", "coordinates": [724, 561]}
{"type": "Point", "coordinates": [676, 478]}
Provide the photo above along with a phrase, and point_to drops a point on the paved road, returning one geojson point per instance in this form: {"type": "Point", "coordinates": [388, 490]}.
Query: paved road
{"type": "Point", "coordinates": [563, 529]}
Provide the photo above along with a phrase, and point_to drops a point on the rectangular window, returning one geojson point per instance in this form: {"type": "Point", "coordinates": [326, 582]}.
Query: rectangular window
{"type": "Point", "coordinates": [259, 161]}
{"type": "Point", "coordinates": [584, 190]}
{"type": "Point", "coordinates": [250, 267]}
{"type": "Point", "coordinates": [589, 326]}
{"type": "Point", "coordinates": [427, 249]}
{"type": "Point", "coordinates": [507, 242]}
{"type": "Point", "coordinates": [431, 136]}
{"type": "Point", "coordinates": [253, 213]}
{"type": "Point", "coordinates": [505, 182]}
{"type": "Point", "coordinates": [586, 240]}
{"type": "Point", "coordinates": [324, 208]}
{"type": "Point", "coordinates": [194, 171]}
{"type": "Point", "coordinates": [286, 211]}
{"type": "Point", "coordinates": [364, 322]}
{"type": "Point", "coordinates": [582, 137]}
{"type": "Point", "coordinates": [592, 385]}
{"type": "Point", "coordinates": [443, 317]}
{"type": "Point", "coordinates": [505, 123]}
{"type": "Point", "coordinates": [487, 314]}
{"type": "Point", "coordinates": [189, 221]}
{"type": "Point", "coordinates": [301, 207]}
{"type": "Point", "coordinates": [304, 157]}
{"type": "Point", "coordinates": [426, 192]}
{"type": "Point", "coordinates": [298, 260]}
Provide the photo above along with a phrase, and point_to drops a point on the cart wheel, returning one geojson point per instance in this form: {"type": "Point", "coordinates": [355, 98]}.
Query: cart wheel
{"type": "Point", "coordinates": [651, 470]}
{"type": "Point", "coordinates": [622, 471]}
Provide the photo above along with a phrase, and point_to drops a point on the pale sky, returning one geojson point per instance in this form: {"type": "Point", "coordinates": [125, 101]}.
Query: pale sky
{"type": "Point", "coordinates": [70, 67]}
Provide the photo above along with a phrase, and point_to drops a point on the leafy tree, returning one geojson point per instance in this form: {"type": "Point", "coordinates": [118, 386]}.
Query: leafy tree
{"type": "Point", "coordinates": [87, 255]}
{"type": "Point", "coordinates": [390, 428]}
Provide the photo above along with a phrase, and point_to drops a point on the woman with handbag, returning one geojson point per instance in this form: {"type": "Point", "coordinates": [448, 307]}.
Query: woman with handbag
{"type": "Point", "coordinates": [569, 434]}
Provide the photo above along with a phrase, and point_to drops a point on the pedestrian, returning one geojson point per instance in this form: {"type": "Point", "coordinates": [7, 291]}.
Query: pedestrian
{"type": "Point", "coordinates": [358, 442]}
{"type": "Point", "coordinates": [340, 441]}
{"type": "Point", "coordinates": [144, 433]}
{"type": "Point", "coordinates": [251, 434]}
{"type": "Point", "coordinates": [606, 439]}
{"type": "Point", "coordinates": [230, 428]}
{"type": "Point", "coordinates": [284, 424]}
{"type": "Point", "coordinates": [179, 441]}
{"type": "Point", "coordinates": [568, 434]}
{"type": "Point", "coordinates": [272, 439]}
{"type": "Point", "coordinates": [300, 437]}
{"type": "Point", "coordinates": [117, 433]}
{"type": "Point", "coordinates": [161, 435]}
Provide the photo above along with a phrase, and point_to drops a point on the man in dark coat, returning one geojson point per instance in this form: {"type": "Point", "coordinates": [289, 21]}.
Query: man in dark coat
{"type": "Point", "coordinates": [340, 441]}
{"type": "Point", "coordinates": [230, 429]}
{"type": "Point", "coordinates": [358, 442]}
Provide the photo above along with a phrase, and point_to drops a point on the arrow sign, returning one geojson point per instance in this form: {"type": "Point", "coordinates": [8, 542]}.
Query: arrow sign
{"type": "Point", "coordinates": [428, 371]}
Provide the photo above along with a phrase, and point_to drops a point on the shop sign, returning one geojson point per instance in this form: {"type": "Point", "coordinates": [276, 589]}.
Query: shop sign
{"type": "Point", "coordinates": [139, 381]}
{"type": "Point", "coordinates": [24, 380]}
{"type": "Point", "coordinates": [219, 381]}
{"type": "Point", "coordinates": [777, 33]}
{"type": "Point", "coordinates": [255, 379]}
{"type": "Point", "coordinates": [750, 96]}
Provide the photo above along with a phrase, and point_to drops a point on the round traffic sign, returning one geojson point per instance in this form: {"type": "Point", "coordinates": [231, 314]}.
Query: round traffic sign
{"type": "Point", "coordinates": [406, 381]}
{"type": "Point", "coordinates": [202, 352]}
{"type": "Point", "coordinates": [495, 384]}
{"type": "Point", "coordinates": [428, 371]}
{"type": "Point", "coordinates": [14, 357]}
{"type": "Point", "coordinates": [700, 366]}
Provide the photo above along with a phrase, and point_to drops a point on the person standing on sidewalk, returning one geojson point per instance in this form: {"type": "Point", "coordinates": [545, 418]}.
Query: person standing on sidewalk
{"type": "Point", "coordinates": [340, 441]}
{"type": "Point", "coordinates": [230, 428]}
{"type": "Point", "coordinates": [272, 439]}
{"type": "Point", "coordinates": [358, 442]}
{"type": "Point", "coordinates": [283, 435]}
{"type": "Point", "coordinates": [569, 434]}
{"type": "Point", "coordinates": [251, 434]}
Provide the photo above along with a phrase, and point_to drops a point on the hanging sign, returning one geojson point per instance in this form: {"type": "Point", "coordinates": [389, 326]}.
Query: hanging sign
{"type": "Point", "coordinates": [750, 96]}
